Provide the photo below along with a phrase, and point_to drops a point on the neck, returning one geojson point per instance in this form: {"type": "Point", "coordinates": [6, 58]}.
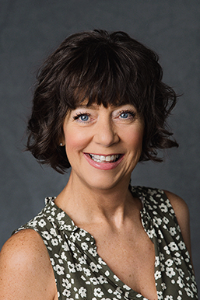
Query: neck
{"type": "Point", "coordinates": [90, 205]}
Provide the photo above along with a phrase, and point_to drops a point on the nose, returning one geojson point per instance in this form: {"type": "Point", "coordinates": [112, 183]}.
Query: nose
{"type": "Point", "coordinates": [106, 133]}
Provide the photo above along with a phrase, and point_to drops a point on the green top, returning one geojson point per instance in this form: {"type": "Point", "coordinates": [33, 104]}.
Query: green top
{"type": "Point", "coordinates": [80, 273]}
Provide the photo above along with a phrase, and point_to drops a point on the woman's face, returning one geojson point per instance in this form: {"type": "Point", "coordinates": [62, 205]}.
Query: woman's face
{"type": "Point", "coordinates": [103, 145]}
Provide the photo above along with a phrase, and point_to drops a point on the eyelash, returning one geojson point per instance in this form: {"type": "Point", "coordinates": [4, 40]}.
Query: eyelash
{"type": "Point", "coordinates": [78, 115]}
{"type": "Point", "coordinates": [132, 115]}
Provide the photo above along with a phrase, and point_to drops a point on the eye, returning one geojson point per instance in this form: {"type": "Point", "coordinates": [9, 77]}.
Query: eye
{"type": "Point", "coordinates": [82, 117]}
{"type": "Point", "coordinates": [126, 114]}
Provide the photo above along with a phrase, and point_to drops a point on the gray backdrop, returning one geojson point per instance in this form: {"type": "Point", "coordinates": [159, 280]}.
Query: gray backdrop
{"type": "Point", "coordinates": [30, 30]}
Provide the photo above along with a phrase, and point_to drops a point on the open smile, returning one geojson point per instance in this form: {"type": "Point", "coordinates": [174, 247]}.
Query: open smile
{"type": "Point", "coordinates": [105, 158]}
{"type": "Point", "coordinates": [104, 162]}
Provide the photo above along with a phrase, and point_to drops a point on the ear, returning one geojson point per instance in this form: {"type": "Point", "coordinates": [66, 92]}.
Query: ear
{"type": "Point", "coordinates": [62, 141]}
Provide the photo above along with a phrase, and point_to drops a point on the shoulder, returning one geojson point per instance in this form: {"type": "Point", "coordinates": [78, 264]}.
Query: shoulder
{"type": "Point", "coordinates": [182, 214]}
{"type": "Point", "coordinates": [25, 268]}
{"type": "Point", "coordinates": [154, 196]}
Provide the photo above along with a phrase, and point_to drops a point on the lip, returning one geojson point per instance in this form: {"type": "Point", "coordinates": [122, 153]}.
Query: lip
{"type": "Point", "coordinates": [103, 165]}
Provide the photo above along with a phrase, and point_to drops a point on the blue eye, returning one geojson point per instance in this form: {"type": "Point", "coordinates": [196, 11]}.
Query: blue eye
{"type": "Point", "coordinates": [127, 115]}
{"type": "Point", "coordinates": [82, 117]}
{"type": "Point", "coordinates": [124, 115]}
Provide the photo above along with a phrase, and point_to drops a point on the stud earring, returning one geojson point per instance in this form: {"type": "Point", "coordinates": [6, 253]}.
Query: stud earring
{"type": "Point", "coordinates": [61, 144]}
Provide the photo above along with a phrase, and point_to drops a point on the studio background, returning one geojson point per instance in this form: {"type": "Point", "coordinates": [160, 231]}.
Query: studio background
{"type": "Point", "coordinates": [30, 30]}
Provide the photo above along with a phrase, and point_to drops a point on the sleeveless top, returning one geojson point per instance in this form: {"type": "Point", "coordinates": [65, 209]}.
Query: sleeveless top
{"type": "Point", "coordinates": [80, 273]}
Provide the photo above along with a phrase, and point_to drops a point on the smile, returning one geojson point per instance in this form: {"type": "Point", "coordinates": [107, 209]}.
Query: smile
{"type": "Point", "coordinates": [107, 158]}
{"type": "Point", "coordinates": [104, 162]}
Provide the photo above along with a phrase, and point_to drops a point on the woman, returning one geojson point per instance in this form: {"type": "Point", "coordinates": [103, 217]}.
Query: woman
{"type": "Point", "coordinates": [100, 106]}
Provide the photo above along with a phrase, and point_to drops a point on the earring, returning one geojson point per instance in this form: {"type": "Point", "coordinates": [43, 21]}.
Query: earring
{"type": "Point", "coordinates": [61, 144]}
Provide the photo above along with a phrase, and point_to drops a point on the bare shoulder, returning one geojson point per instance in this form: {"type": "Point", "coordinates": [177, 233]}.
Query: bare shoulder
{"type": "Point", "coordinates": [183, 217]}
{"type": "Point", "coordinates": [25, 268]}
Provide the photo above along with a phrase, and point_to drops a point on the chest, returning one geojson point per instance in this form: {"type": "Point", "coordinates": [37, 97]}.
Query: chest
{"type": "Point", "coordinates": [132, 260]}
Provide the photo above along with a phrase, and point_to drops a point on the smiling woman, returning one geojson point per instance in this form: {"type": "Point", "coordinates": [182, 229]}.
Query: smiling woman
{"type": "Point", "coordinates": [100, 107]}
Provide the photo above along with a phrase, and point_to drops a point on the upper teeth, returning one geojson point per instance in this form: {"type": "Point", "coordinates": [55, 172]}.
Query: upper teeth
{"type": "Point", "coordinates": [101, 158]}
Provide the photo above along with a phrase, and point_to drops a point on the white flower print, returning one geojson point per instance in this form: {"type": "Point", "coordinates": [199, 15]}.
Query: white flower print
{"type": "Point", "coordinates": [66, 293]}
{"type": "Point", "coordinates": [59, 270]}
{"type": "Point", "coordinates": [60, 215]}
{"type": "Point", "coordinates": [65, 247]}
{"type": "Point", "coordinates": [160, 295]}
{"type": "Point", "coordinates": [33, 223]}
{"type": "Point", "coordinates": [169, 262]}
{"type": "Point", "coordinates": [94, 280]}
{"type": "Point", "coordinates": [92, 251]}
{"type": "Point", "coordinates": [71, 267]}
{"type": "Point", "coordinates": [98, 292]}
{"type": "Point", "coordinates": [42, 223]}
{"type": "Point", "coordinates": [173, 246]}
{"type": "Point", "coordinates": [66, 283]}
{"type": "Point", "coordinates": [82, 260]}
{"type": "Point", "coordinates": [87, 272]}
{"type": "Point", "coordinates": [82, 277]}
{"type": "Point", "coordinates": [180, 282]}
{"type": "Point", "coordinates": [78, 267]}
{"type": "Point", "coordinates": [46, 235]}
{"type": "Point", "coordinates": [194, 288]}
{"type": "Point", "coordinates": [167, 249]}
{"type": "Point", "coordinates": [151, 233]}
{"type": "Point", "coordinates": [82, 292]}
{"type": "Point", "coordinates": [77, 271]}
{"type": "Point", "coordinates": [82, 232]}
{"type": "Point", "coordinates": [107, 273]}
{"type": "Point", "coordinates": [157, 275]}
{"type": "Point", "coordinates": [50, 219]}
{"type": "Point", "coordinates": [172, 231]}
{"type": "Point", "coordinates": [165, 220]}
{"type": "Point", "coordinates": [63, 256]}
{"type": "Point", "coordinates": [163, 285]}
{"type": "Point", "coordinates": [158, 220]}
{"type": "Point", "coordinates": [170, 272]}
{"type": "Point", "coordinates": [182, 245]}
{"type": "Point", "coordinates": [161, 255]}
{"type": "Point", "coordinates": [102, 279]}
{"type": "Point", "coordinates": [160, 234]}
{"type": "Point", "coordinates": [181, 273]}
{"type": "Point", "coordinates": [53, 232]}
{"type": "Point", "coordinates": [177, 261]}
{"type": "Point", "coordinates": [163, 207]}
{"type": "Point", "coordinates": [101, 262]}
{"type": "Point", "coordinates": [93, 267]}
{"type": "Point", "coordinates": [189, 292]}
{"type": "Point", "coordinates": [54, 242]}
{"type": "Point", "coordinates": [84, 246]}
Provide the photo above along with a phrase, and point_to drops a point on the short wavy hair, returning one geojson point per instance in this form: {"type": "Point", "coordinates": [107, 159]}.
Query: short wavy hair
{"type": "Point", "coordinates": [105, 68]}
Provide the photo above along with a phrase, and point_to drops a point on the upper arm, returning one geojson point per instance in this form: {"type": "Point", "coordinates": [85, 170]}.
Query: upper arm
{"type": "Point", "coordinates": [25, 268]}
{"type": "Point", "coordinates": [182, 214]}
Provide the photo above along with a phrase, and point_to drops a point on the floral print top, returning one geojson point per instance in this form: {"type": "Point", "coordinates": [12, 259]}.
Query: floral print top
{"type": "Point", "coordinates": [80, 273]}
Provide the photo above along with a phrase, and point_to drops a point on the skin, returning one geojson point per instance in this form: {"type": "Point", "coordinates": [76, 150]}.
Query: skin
{"type": "Point", "coordinates": [102, 205]}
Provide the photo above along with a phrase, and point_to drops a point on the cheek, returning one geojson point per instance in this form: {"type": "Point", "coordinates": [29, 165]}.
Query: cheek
{"type": "Point", "coordinates": [75, 140]}
{"type": "Point", "coordinates": [135, 139]}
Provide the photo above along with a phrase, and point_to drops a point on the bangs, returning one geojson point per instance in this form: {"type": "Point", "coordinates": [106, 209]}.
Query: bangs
{"type": "Point", "coordinates": [102, 75]}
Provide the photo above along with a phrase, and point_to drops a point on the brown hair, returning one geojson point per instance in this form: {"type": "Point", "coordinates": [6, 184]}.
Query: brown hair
{"type": "Point", "coordinates": [106, 68]}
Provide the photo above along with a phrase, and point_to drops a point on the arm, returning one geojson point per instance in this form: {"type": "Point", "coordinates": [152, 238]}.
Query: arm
{"type": "Point", "coordinates": [182, 214]}
{"type": "Point", "coordinates": [25, 268]}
